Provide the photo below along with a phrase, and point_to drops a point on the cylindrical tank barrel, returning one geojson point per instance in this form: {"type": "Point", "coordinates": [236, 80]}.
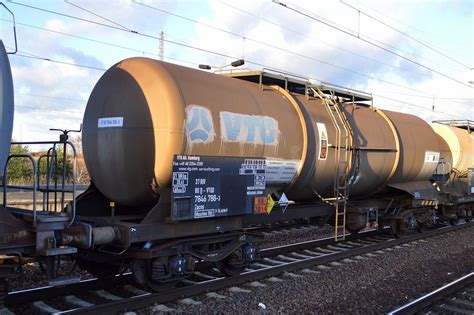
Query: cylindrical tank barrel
{"type": "Point", "coordinates": [142, 112]}
{"type": "Point", "coordinates": [6, 107]}
{"type": "Point", "coordinates": [461, 145]}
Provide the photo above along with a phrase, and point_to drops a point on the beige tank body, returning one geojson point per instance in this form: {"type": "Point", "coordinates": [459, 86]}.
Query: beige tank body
{"type": "Point", "coordinates": [142, 112]}
{"type": "Point", "coordinates": [419, 148]}
{"type": "Point", "coordinates": [445, 159]}
{"type": "Point", "coordinates": [461, 145]}
{"type": "Point", "coordinates": [376, 154]}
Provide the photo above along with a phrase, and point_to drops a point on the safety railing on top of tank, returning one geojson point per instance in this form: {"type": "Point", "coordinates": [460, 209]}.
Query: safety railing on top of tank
{"type": "Point", "coordinates": [285, 76]}
{"type": "Point", "coordinates": [349, 94]}
{"type": "Point", "coordinates": [465, 124]}
{"type": "Point", "coordinates": [234, 71]}
{"type": "Point", "coordinates": [57, 172]}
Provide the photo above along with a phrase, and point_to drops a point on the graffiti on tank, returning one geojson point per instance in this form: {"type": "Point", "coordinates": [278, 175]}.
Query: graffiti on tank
{"type": "Point", "coordinates": [248, 128]}
{"type": "Point", "coordinates": [199, 126]}
{"type": "Point", "coordinates": [234, 127]}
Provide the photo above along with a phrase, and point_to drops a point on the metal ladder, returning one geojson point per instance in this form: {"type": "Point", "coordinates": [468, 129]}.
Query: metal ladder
{"type": "Point", "coordinates": [341, 160]}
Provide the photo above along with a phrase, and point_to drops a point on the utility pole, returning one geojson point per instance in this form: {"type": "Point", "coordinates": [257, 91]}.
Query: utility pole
{"type": "Point", "coordinates": [162, 46]}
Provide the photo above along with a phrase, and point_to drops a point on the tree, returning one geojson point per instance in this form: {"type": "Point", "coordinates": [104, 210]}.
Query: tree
{"type": "Point", "coordinates": [19, 170]}
{"type": "Point", "coordinates": [55, 168]}
{"type": "Point", "coordinates": [81, 169]}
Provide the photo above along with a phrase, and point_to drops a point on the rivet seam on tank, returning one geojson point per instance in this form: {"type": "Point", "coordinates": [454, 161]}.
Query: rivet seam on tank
{"type": "Point", "coordinates": [235, 127]}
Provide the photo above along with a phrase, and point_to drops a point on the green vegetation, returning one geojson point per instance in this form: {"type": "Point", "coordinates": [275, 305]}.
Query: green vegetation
{"type": "Point", "coordinates": [20, 169]}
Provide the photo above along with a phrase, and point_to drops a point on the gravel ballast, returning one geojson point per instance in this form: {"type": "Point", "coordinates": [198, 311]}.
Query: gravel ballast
{"type": "Point", "coordinates": [369, 284]}
{"type": "Point", "coordinates": [34, 277]}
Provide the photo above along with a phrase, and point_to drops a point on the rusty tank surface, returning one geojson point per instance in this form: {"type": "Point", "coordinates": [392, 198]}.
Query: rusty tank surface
{"type": "Point", "coordinates": [142, 112]}
{"type": "Point", "coordinates": [461, 146]}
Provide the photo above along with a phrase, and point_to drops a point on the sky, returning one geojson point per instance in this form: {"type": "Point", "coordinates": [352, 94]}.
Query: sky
{"type": "Point", "coordinates": [412, 56]}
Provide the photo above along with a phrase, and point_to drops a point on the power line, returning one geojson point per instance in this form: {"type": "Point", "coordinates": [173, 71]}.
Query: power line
{"type": "Point", "coordinates": [399, 22]}
{"type": "Point", "coordinates": [452, 99]}
{"type": "Point", "coordinates": [70, 16]}
{"type": "Point", "coordinates": [50, 109]}
{"type": "Point", "coordinates": [278, 48]}
{"type": "Point", "coordinates": [342, 49]}
{"type": "Point", "coordinates": [52, 97]}
{"type": "Point", "coordinates": [319, 40]}
{"type": "Point", "coordinates": [418, 106]}
{"type": "Point", "coordinates": [406, 34]}
{"type": "Point", "coordinates": [28, 55]}
{"type": "Point", "coordinates": [310, 78]}
{"type": "Point", "coordinates": [223, 55]}
{"type": "Point", "coordinates": [144, 52]}
{"type": "Point", "coordinates": [369, 42]}
{"type": "Point", "coordinates": [208, 51]}
{"type": "Point", "coordinates": [184, 45]}
{"type": "Point", "coordinates": [97, 15]}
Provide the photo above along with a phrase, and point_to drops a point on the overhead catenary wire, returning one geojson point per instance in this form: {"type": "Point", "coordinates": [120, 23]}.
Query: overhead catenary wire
{"type": "Point", "coordinates": [405, 34]}
{"type": "Point", "coordinates": [279, 48]}
{"type": "Point", "coordinates": [279, 70]}
{"type": "Point", "coordinates": [141, 51]}
{"type": "Point", "coordinates": [318, 39]}
{"type": "Point", "coordinates": [188, 46]}
{"type": "Point", "coordinates": [28, 55]}
{"type": "Point", "coordinates": [182, 60]}
{"type": "Point", "coordinates": [397, 21]}
{"type": "Point", "coordinates": [213, 52]}
{"type": "Point", "coordinates": [341, 49]}
{"type": "Point", "coordinates": [97, 15]}
{"type": "Point", "coordinates": [51, 109]}
{"type": "Point", "coordinates": [208, 51]}
{"type": "Point", "coordinates": [51, 97]}
{"type": "Point", "coordinates": [370, 43]}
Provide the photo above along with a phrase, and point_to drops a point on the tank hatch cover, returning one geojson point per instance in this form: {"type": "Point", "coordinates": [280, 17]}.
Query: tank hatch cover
{"type": "Point", "coordinates": [463, 124]}
{"type": "Point", "coordinates": [295, 83]}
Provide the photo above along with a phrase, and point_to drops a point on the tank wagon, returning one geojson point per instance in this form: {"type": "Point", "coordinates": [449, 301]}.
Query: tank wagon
{"type": "Point", "coordinates": [183, 164]}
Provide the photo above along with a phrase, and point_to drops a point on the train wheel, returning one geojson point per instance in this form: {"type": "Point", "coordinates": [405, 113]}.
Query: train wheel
{"type": "Point", "coordinates": [396, 227]}
{"type": "Point", "coordinates": [233, 264]}
{"type": "Point", "coordinates": [468, 217]}
{"type": "Point", "coordinates": [150, 275]}
{"type": "Point", "coordinates": [424, 220]}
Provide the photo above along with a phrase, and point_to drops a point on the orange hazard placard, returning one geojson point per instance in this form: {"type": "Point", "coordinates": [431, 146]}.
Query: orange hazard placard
{"type": "Point", "coordinates": [260, 205]}
{"type": "Point", "coordinates": [323, 141]}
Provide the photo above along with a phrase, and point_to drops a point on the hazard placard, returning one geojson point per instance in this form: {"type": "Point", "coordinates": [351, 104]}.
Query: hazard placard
{"type": "Point", "coordinates": [283, 202]}
{"type": "Point", "coordinates": [270, 203]}
{"type": "Point", "coordinates": [260, 205]}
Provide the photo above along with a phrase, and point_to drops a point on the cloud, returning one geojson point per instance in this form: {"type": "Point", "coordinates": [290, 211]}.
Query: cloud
{"type": "Point", "coordinates": [301, 45]}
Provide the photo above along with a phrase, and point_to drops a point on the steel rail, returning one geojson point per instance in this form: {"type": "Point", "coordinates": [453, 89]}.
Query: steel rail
{"type": "Point", "coordinates": [27, 295]}
{"type": "Point", "coordinates": [435, 296]}
{"type": "Point", "coordinates": [142, 301]}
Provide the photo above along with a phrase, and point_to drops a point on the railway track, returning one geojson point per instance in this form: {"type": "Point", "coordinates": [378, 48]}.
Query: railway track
{"type": "Point", "coordinates": [115, 295]}
{"type": "Point", "coordinates": [456, 297]}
